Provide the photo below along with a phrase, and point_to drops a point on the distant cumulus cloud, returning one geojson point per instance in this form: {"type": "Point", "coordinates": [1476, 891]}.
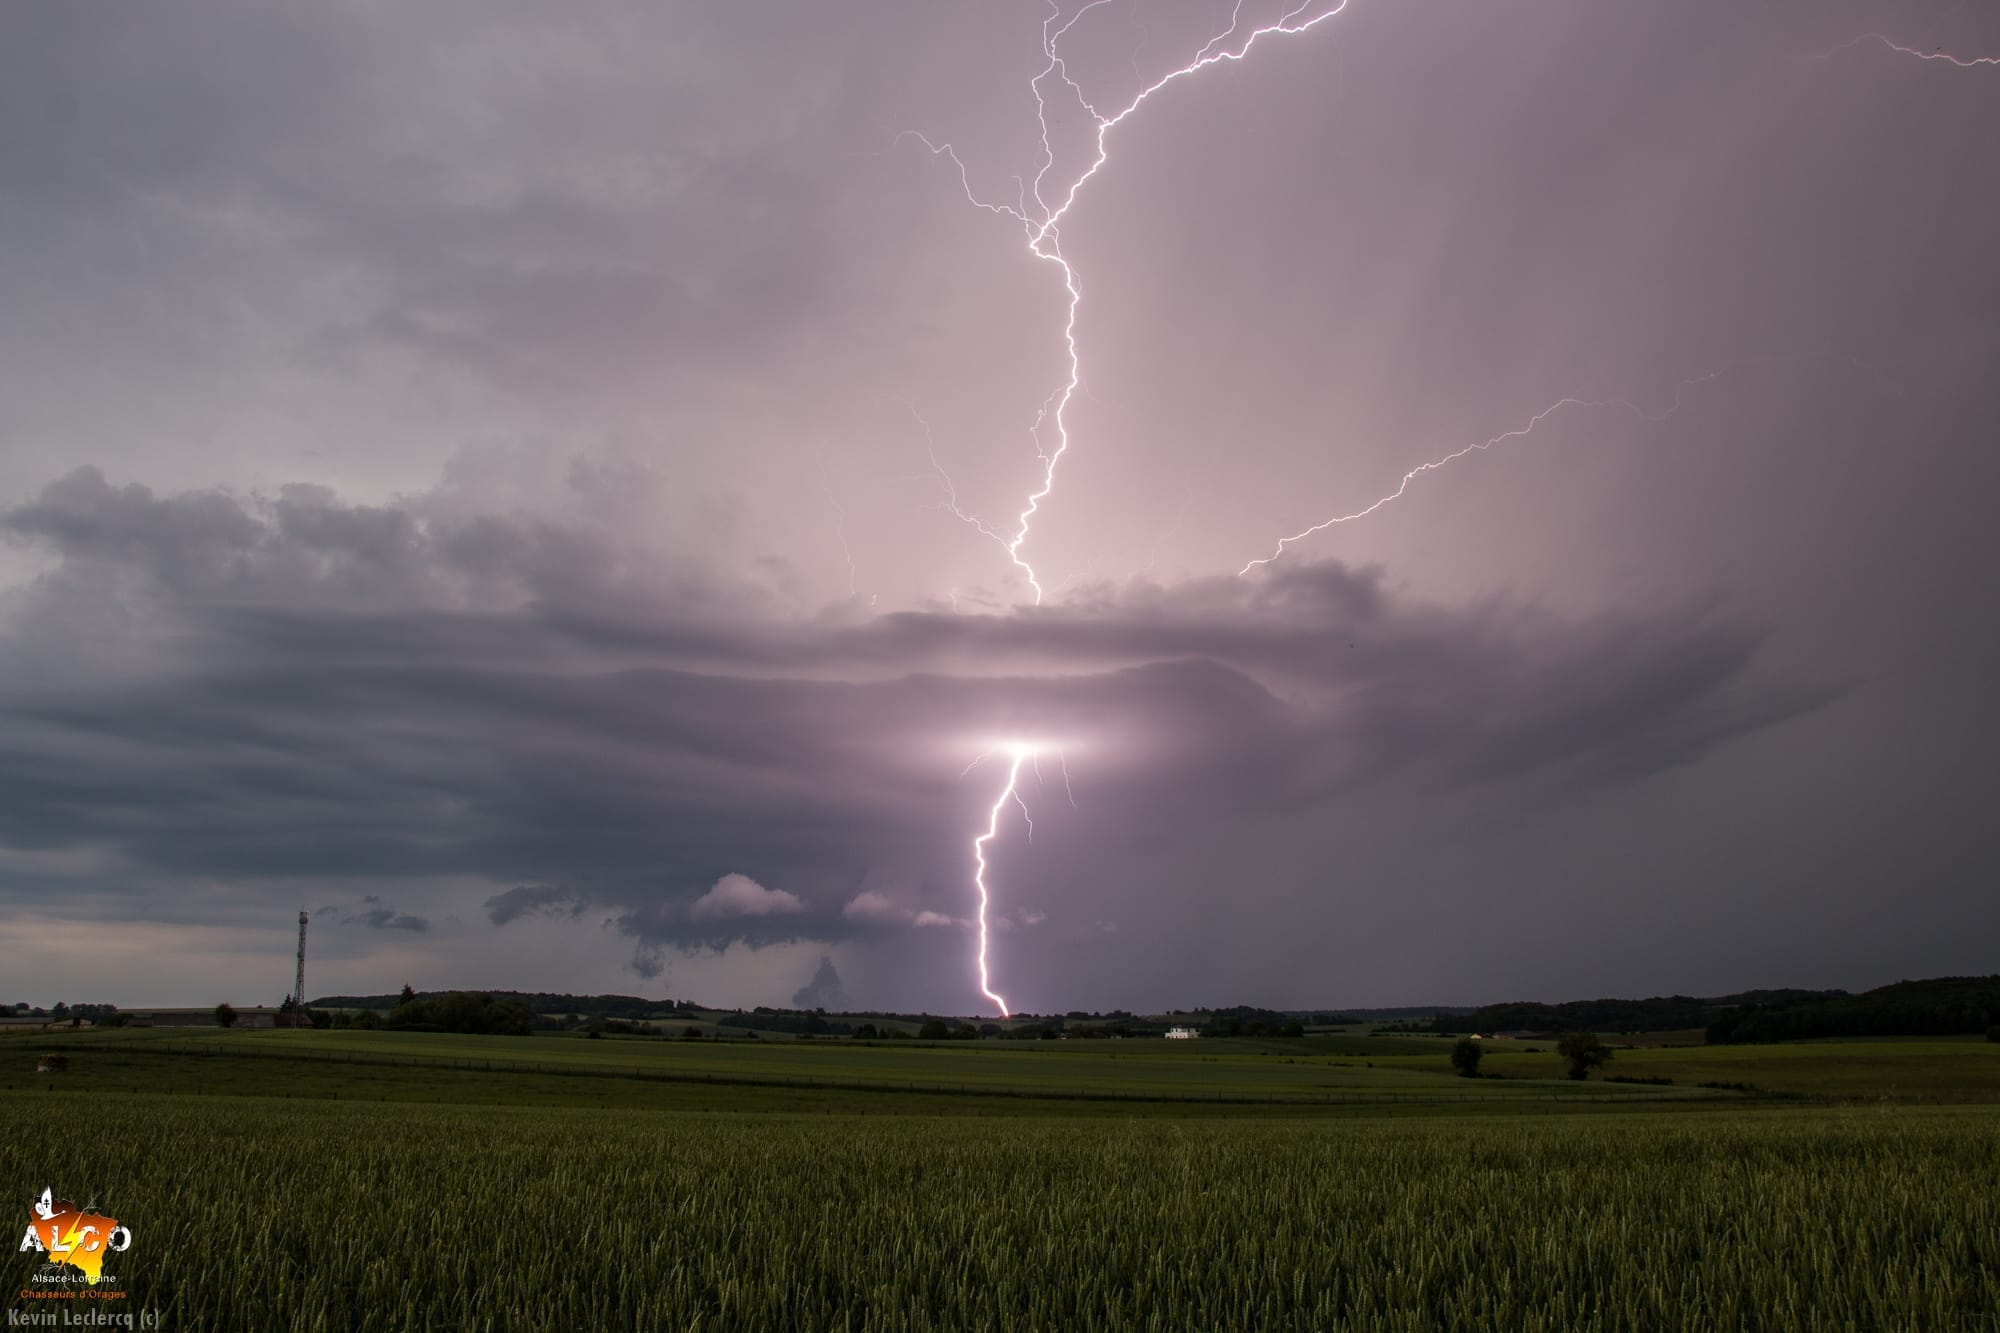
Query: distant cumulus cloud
{"type": "Point", "coordinates": [739, 895]}
{"type": "Point", "coordinates": [869, 905]}
{"type": "Point", "coordinates": [534, 900]}
{"type": "Point", "coordinates": [378, 915]}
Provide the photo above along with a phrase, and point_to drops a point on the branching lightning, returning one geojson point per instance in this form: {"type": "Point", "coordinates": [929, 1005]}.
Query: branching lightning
{"type": "Point", "coordinates": [1041, 220]}
{"type": "Point", "coordinates": [839, 526]}
{"type": "Point", "coordinates": [1935, 53]}
{"type": "Point", "coordinates": [950, 502]}
{"type": "Point", "coordinates": [1479, 446]}
{"type": "Point", "coordinates": [1041, 224]}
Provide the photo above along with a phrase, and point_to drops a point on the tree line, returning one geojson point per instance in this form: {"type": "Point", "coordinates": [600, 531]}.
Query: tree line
{"type": "Point", "coordinates": [1939, 1007]}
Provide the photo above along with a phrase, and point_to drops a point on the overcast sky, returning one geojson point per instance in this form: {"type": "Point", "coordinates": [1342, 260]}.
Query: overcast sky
{"type": "Point", "coordinates": [530, 485]}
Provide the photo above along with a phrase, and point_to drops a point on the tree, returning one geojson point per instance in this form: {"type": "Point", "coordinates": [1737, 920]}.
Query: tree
{"type": "Point", "coordinates": [225, 1016]}
{"type": "Point", "coordinates": [1993, 1034]}
{"type": "Point", "coordinates": [1583, 1051]}
{"type": "Point", "coordinates": [408, 996]}
{"type": "Point", "coordinates": [934, 1030]}
{"type": "Point", "coordinates": [1465, 1055]}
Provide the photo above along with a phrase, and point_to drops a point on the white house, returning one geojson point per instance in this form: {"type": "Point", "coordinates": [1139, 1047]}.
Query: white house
{"type": "Point", "coordinates": [1181, 1034]}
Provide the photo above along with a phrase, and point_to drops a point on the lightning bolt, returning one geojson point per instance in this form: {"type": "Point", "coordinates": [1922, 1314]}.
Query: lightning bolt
{"type": "Point", "coordinates": [1041, 221]}
{"type": "Point", "coordinates": [950, 502]}
{"type": "Point", "coordinates": [1480, 446]}
{"type": "Point", "coordinates": [839, 525]}
{"type": "Point", "coordinates": [1935, 53]}
{"type": "Point", "coordinates": [1679, 401]}
{"type": "Point", "coordinates": [1020, 754]}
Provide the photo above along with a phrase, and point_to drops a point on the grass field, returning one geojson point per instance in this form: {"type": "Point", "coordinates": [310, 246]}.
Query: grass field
{"type": "Point", "coordinates": [323, 1216]}
{"type": "Point", "coordinates": [271, 1183]}
{"type": "Point", "coordinates": [1303, 1071]}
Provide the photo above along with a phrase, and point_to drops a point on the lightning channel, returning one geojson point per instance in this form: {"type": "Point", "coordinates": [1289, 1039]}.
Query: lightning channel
{"type": "Point", "coordinates": [1480, 446]}
{"type": "Point", "coordinates": [1935, 53]}
{"type": "Point", "coordinates": [839, 525]}
{"type": "Point", "coordinates": [1041, 220]}
{"type": "Point", "coordinates": [1020, 754]}
{"type": "Point", "coordinates": [950, 489]}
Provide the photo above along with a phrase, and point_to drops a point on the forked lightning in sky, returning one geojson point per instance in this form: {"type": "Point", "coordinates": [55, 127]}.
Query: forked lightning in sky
{"type": "Point", "coordinates": [1041, 223]}
{"type": "Point", "coordinates": [1518, 432]}
{"type": "Point", "coordinates": [1937, 53]}
{"type": "Point", "coordinates": [1039, 210]}
{"type": "Point", "coordinates": [1041, 220]}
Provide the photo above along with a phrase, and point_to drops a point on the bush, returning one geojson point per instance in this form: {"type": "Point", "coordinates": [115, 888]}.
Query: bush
{"type": "Point", "coordinates": [1465, 1053]}
{"type": "Point", "coordinates": [461, 1012]}
{"type": "Point", "coordinates": [1583, 1051]}
{"type": "Point", "coordinates": [1993, 1034]}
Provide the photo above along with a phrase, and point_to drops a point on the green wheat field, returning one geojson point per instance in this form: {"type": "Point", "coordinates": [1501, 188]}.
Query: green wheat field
{"type": "Point", "coordinates": [385, 1181]}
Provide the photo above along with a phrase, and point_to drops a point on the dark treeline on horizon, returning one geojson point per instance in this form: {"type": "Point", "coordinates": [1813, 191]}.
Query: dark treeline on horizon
{"type": "Point", "coordinates": [1939, 1006]}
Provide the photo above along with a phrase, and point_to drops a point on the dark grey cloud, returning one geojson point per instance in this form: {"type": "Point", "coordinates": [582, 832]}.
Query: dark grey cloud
{"type": "Point", "coordinates": [360, 692]}
{"type": "Point", "coordinates": [473, 457]}
{"type": "Point", "coordinates": [378, 915]}
{"type": "Point", "coordinates": [532, 900]}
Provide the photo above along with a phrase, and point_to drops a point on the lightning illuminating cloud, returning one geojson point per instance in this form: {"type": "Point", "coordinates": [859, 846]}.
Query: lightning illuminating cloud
{"type": "Point", "coordinates": [1041, 220]}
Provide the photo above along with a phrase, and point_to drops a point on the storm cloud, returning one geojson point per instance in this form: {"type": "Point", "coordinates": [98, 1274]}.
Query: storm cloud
{"type": "Point", "coordinates": [530, 483]}
{"type": "Point", "coordinates": [356, 691]}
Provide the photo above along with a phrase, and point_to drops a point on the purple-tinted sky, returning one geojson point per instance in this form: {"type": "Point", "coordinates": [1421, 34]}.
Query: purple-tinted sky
{"type": "Point", "coordinates": [485, 474]}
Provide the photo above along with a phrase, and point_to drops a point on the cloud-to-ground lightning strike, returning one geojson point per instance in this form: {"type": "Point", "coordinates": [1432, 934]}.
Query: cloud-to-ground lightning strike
{"type": "Point", "coordinates": [1019, 753]}
{"type": "Point", "coordinates": [1042, 222]}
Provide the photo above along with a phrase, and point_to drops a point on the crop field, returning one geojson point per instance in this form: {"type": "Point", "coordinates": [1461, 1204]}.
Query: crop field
{"type": "Point", "coordinates": [1307, 1072]}
{"type": "Point", "coordinates": [253, 1213]}
{"type": "Point", "coordinates": [389, 1180]}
